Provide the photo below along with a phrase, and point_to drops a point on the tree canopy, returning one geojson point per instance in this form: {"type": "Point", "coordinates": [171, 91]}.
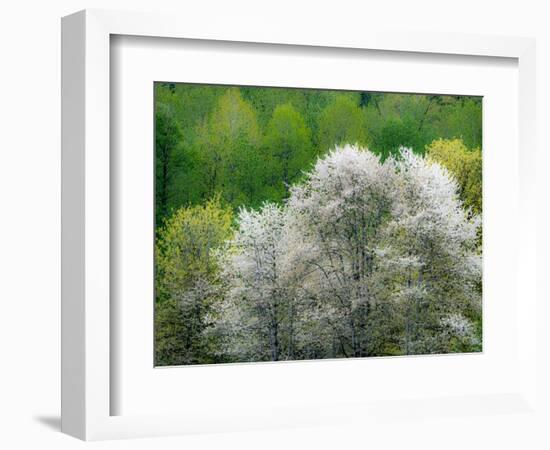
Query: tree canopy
{"type": "Point", "coordinates": [186, 271]}
{"type": "Point", "coordinates": [288, 148]}
{"type": "Point", "coordinates": [464, 164]}
{"type": "Point", "coordinates": [231, 140]}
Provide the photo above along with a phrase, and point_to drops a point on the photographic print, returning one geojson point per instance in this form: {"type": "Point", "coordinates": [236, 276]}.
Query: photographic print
{"type": "Point", "coordinates": [302, 224]}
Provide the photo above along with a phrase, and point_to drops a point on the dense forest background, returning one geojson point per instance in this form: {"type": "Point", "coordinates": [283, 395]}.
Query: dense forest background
{"type": "Point", "coordinates": [221, 148]}
{"type": "Point", "coordinates": [250, 144]}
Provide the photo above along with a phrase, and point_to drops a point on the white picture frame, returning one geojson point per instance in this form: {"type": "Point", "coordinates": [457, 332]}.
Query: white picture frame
{"type": "Point", "coordinates": [86, 218]}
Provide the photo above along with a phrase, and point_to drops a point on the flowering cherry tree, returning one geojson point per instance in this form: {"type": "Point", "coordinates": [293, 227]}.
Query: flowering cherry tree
{"type": "Point", "coordinates": [364, 258]}
{"type": "Point", "coordinates": [259, 311]}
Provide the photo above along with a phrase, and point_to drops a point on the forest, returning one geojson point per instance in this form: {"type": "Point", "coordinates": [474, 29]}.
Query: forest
{"type": "Point", "coordinates": [296, 224]}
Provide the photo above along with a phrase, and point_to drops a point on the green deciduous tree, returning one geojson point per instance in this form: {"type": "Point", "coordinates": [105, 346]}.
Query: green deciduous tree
{"type": "Point", "coordinates": [186, 277]}
{"type": "Point", "coordinates": [179, 109]}
{"type": "Point", "coordinates": [288, 147]}
{"type": "Point", "coordinates": [466, 167]}
{"type": "Point", "coordinates": [399, 120]}
{"type": "Point", "coordinates": [396, 133]}
{"type": "Point", "coordinates": [167, 140]}
{"type": "Point", "coordinates": [341, 122]}
{"type": "Point", "coordinates": [462, 118]}
{"type": "Point", "coordinates": [229, 151]}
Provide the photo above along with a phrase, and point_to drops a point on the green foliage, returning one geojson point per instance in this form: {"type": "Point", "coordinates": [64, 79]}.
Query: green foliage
{"type": "Point", "coordinates": [309, 102]}
{"type": "Point", "coordinates": [229, 151]}
{"type": "Point", "coordinates": [398, 120]}
{"type": "Point", "coordinates": [185, 245]}
{"type": "Point", "coordinates": [266, 100]}
{"type": "Point", "coordinates": [341, 122]}
{"type": "Point", "coordinates": [288, 147]}
{"type": "Point", "coordinates": [466, 167]}
{"type": "Point", "coordinates": [224, 137]}
{"type": "Point", "coordinates": [182, 107]}
{"type": "Point", "coordinates": [396, 133]}
{"type": "Point", "coordinates": [414, 121]}
{"type": "Point", "coordinates": [186, 271]}
{"type": "Point", "coordinates": [462, 119]}
{"type": "Point", "coordinates": [167, 138]}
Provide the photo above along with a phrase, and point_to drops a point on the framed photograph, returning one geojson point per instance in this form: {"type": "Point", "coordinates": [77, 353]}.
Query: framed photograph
{"type": "Point", "coordinates": [301, 224]}
{"type": "Point", "coordinates": [266, 228]}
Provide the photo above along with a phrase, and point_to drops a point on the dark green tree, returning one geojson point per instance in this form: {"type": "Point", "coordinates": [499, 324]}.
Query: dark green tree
{"type": "Point", "coordinates": [396, 133]}
{"type": "Point", "coordinates": [167, 139]}
{"type": "Point", "coordinates": [462, 119]}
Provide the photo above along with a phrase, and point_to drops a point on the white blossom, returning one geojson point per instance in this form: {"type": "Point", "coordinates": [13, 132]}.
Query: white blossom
{"type": "Point", "coordinates": [364, 255]}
